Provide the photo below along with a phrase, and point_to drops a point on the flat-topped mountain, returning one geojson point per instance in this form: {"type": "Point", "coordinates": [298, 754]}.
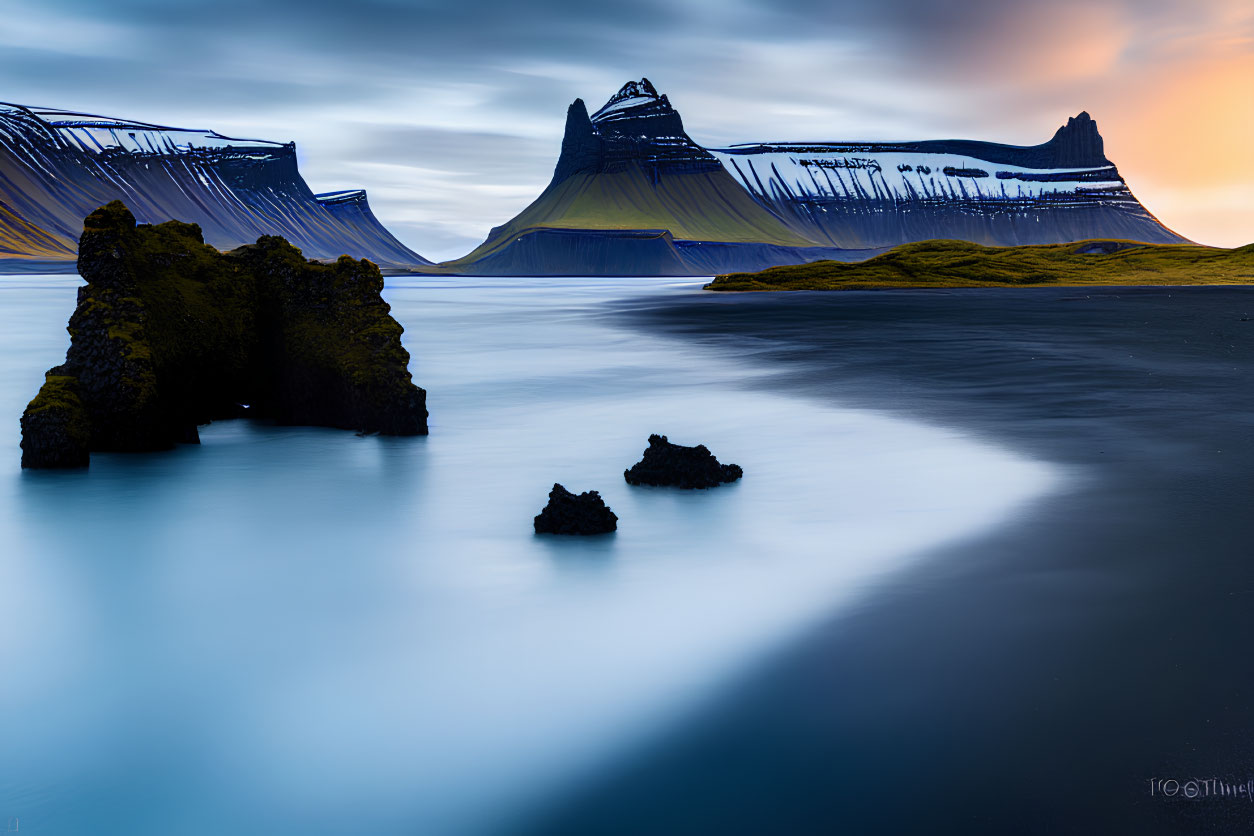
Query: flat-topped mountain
{"type": "Point", "coordinates": [57, 166]}
{"type": "Point", "coordinates": [633, 193]}
{"type": "Point", "coordinates": [873, 195]}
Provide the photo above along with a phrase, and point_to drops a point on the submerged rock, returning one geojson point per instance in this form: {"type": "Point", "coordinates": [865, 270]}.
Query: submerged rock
{"type": "Point", "coordinates": [567, 513]}
{"type": "Point", "coordinates": [169, 334]}
{"type": "Point", "coordinates": [674, 465]}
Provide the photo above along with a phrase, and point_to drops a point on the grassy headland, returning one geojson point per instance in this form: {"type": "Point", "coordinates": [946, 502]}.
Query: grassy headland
{"type": "Point", "coordinates": [962, 264]}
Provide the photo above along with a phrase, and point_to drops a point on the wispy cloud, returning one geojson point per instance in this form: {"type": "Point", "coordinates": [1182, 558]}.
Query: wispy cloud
{"type": "Point", "coordinates": [450, 114]}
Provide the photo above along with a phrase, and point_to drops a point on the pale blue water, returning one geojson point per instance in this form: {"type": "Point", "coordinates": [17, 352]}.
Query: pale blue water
{"type": "Point", "coordinates": [300, 630]}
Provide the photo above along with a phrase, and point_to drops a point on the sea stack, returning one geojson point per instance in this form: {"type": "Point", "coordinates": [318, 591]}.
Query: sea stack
{"type": "Point", "coordinates": [170, 334]}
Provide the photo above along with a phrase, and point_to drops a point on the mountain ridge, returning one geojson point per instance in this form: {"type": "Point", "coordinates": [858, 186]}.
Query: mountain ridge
{"type": "Point", "coordinates": [631, 165]}
{"type": "Point", "coordinates": [624, 173]}
{"type": "Point", "coordinates": [56, 166]}
{"type": "Point", "coordinates": [882, 194]}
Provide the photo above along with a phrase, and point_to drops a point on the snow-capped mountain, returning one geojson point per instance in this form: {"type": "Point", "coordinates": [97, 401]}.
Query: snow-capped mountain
{"type": "Point", "coordinates": [633, 193]}
{"type": "Point", "coordinates": [883, 194]}
{"type": "Point", "coordinates": [57, 166]}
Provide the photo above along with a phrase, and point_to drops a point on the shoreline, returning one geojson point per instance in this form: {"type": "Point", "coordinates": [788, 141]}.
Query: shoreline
{"type": "Point", "coordinates": [877, 288]}
{"type": "Point", "coordinates": [1030, 679]}
{"type": "Point", "coordinates": [473, 668]}
{"type": "Point", "coordinates": [962, 264]}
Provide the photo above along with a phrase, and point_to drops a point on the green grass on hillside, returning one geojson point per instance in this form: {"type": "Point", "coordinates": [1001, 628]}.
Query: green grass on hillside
{"type": "Point", "coordinates": [962, 264]}
{"type": "Point", "coordinates": [22, 239]}
{"type": "Point", "coordinates": [700, 206]}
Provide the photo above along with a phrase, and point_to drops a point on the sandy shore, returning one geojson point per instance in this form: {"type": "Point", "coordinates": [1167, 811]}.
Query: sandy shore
{"type": "Point", "coordinates": [1033, 681]}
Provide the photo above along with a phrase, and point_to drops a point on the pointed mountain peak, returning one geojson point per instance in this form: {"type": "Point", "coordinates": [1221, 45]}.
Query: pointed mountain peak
{"type": "Point", "coordinates": [1078, 142]}
{"type": "Point", "coordinates": [633, 96]}
{"type": "Point", "coordinates": [577, 112]}
{"type": "Point", "coordinates": [636, 127]}
{"type": "Point", "coordinates": [642, 89]}
{"type": "Point", "coordinates": [581, 148]}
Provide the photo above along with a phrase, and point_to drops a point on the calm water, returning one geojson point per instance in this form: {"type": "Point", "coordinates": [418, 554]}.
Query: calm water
{"type": "Point", "coordinates": [1033, 680]}
{"type": "Point", "coordinates": [300, 630]}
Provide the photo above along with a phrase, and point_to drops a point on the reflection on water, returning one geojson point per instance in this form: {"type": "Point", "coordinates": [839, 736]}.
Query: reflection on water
{"type": "Point", "coordinates": [302, 629]}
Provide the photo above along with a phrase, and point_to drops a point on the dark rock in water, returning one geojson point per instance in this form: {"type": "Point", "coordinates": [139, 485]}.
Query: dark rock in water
{"type": "Point", "coordinates": [169, 334]}
{"type": "Point", "coordinates": [567, 513]}
{"type": "Point", "coordinates": [674, 465]}
{"type": "Point", "coordinates": [55, 429]}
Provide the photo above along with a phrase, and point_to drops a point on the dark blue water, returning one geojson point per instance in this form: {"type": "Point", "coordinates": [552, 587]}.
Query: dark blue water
{"type": "Point", "coordinates": [300, 630]}
{"type": "Point", "coordinates": [1043, 678]}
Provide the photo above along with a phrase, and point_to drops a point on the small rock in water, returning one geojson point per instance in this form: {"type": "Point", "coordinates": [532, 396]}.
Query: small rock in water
{"type": "Point", "coordinates": [674, 465]}
{"type": "Point", "coordinates": [567, 513]}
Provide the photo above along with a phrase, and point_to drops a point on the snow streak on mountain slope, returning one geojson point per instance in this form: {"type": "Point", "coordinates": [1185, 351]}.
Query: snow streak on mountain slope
{"type": "Point", "coordinates": [883, 194]}
{"type": "Point", "coordinates": [57, 166]}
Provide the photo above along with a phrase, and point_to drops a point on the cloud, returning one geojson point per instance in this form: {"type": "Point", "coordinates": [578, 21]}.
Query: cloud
{"type": "Point", "coordinates": [450, 114]}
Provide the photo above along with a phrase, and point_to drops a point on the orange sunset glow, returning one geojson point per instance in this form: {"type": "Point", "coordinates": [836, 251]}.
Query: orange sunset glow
{"type": "Point", "coordinates": [1182, 134]}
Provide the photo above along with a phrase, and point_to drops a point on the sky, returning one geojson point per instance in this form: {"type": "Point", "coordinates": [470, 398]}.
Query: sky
{"type": "Point", "coordinates": [450, 114]}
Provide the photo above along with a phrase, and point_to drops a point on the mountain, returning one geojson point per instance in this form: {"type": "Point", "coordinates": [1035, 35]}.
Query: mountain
{"type": "Point", "coordinates": [21, 239]}
{"type": "Point", "coordinates": [872, 195]}
{"type": "Point", "coordinates": [57, 166]}
{"type": "Point", "coordinates": [633, 194]}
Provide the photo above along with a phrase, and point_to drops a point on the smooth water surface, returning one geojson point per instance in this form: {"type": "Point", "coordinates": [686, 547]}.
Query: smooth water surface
{"type": "Point", "coordinates": [303, 630]}
{"type": "Point", "coordinates": [1039, 679]}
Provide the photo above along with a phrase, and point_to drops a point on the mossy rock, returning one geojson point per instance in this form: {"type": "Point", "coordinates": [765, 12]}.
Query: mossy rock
{"type": "Point", "coordinates": [169, 333]}
{"type": "Point", "coordinates": [56, 431]}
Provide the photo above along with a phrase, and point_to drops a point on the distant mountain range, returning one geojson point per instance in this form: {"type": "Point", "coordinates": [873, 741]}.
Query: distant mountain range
{"type": "Point", "coordinates": [58, 166]}
{"type": "Point", "coordinates": [632, 194]}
